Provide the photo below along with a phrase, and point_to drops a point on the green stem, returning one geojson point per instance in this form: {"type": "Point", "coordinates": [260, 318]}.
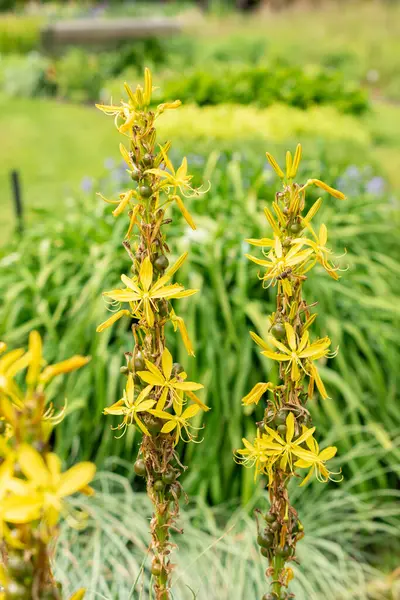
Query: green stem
{"type": "Point", "coordinates": [277, 586]}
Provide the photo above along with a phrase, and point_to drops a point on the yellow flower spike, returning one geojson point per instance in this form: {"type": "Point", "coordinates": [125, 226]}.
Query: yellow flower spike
{"type": "Point", "coordinates": [296, 162]}
{"type": "Point", "coordinates": [257, 393]}
{"type": "Point", "coordinates": [66, 366]}
{"type": "Point", "coordinates": [275, 165]}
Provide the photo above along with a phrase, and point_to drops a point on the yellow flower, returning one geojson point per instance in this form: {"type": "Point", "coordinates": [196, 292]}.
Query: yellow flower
{"type": "Point", "coordinates": [279, 265]}
{"type": "Point", "coordinates": [255, 455]}
{"type": "Point", "coordinates": [141, 292]}
{"type": "Point", "coordinates": [129, 407]}
{"type": "Point", "coordinates": [317, 462]}
{"type": "Point", "coordinates": [177, 180]}
{"type": "Point", "coordinates": [298, 354]}
{"type": "Point", "coordinates": [320, 250]}
{"type": "Point", "coordinates": [170, 384]}
{"type": "Point", "coordinates": [46, 487]}
{"type": "Point", "coordinates": [285, 449]}
{"type": "Point", "coordinates": [178, 421]}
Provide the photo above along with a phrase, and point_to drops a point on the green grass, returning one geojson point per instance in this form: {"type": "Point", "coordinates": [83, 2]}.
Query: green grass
{"type": "Point", "coordinates": [53, 146]}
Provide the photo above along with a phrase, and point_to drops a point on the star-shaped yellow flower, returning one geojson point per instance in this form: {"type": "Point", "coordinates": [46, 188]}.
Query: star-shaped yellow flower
{"type": "Point", "coordinates": [178, 421]}
{"type": "Point", "coordinates": [130, 407]}
{"type": "Point", "coordinates": [317, 463]}
{"type": "Point", "coordinates": [141, 292]}
{"type": "Point", "coordinates": [170, 384]}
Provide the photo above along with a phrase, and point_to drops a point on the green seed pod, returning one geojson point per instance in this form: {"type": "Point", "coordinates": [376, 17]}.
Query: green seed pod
{"type": "Point", "coordinates": [295, 227]}
{"type": "Point", "coordinates": [285, 552]}
{"type": "Point", "coordinates": [153, 424]}
{"type": "Point", "coordinates": [138, 362]}
{"type": "Point", "coordinates": [124, 371]}
{"type": "Point", "coordinates": [265, 539]}
{"type": "Point", "coordinates": [287, 242]}
{"type": "Point", "coordinates": [177, 368]}
{"type": "Point", "coordinates": [278, 330]}
{"type": "Point", "coordinates": [282, 429]}
{"type": "Point", "coordinates": [264, 552]}
{"type": "Point", "coordinates": [161, 263]}
{"type": "Point", "coordinates": [135, 175]}
{"type": "Point", "coordinates": [140, 467]}
{"type": "Point", "coordinates": [169, 476]}
{"type": "Point", "coordinates": [159, 486]}
{"type": "Point", "coordinates": [175, 491]}
{"type": "Point", "coordinates": [145, 191]}
{"type": "Point", "coordinates": [280, 417]}
{"type": "Point", "coordinates": [163, 308]}
{"type": "Point", "coordinates": [147, 160]}
{"type": "Point", "coordinates": [269, 518]}
{"type": "Point", "coordinates": [156, 568]}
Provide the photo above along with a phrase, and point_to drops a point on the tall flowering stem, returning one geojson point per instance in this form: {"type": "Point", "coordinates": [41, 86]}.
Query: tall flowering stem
{"type": "Point", "coordinates": [158, 400]}
{"type": "Point", "coordinates": [285, 444]}
{"type": "Point", "coordinates": [33, 488]}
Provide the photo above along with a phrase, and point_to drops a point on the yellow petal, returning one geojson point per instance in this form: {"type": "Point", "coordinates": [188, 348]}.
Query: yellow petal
{"type": "Point", "coordinates": [289, 163]}
{"type": "Point", "coordinates": [75, 478]}
{"type": "Point", "coordinates": [327, 188]}
{"type": "Point", "coordinates": [148, 87]}
{"type": "Point", "coordinates": [172, 270]}
{"type": "Point", "coordinates": [54, 467]}
{"type": "Point", "coordinates": [123, 203]}
{"type": "Point", "coordinates": [290, 427]}
{"type": "Point", "coordinates": [275, 165]}
{"type": "Point", "coordinates": [22, 509]}
{"type": "Point", "coordinates": [115, 317]}
{"type": "Point", "coordinates": [166, 362]}
{"type": "Point", "coordinates": [256, 393]}
{"type": "Point", "coordinates": [291, 336]}
{"type": "Point", "coordinates": [146, 273]}
{"type": "Point", "coordinates": [190, 411]}
{"type": "Point", "coordinates": [66, 366]}
{"type": "Point", "coordinates": [169, 426]}
{"type": "Point", "coordinates": [184, 211]}
{"type": "Point", "coordinates": [148, 313]}
{"type": "Point", "coordinates": [328, 453]}
{"type": "Point", "coordinates": [33, 465]}
{"type": "Point", "coordinates": [296, 162]}
{"type": "Point", "coordinates": [125, 155]}
{"type": "Point", "coordinates": [197, 401]}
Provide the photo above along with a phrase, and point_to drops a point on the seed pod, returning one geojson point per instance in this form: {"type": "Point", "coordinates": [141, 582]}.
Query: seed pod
{"type": "Point", "coordinates": [158, 486]}
{"type": "Point", "coordinates": [153, 424]}
{"type": "Point", "coordinates": [138, 362]}
{"type": "Point", "coordinates": [161, 263]}
{"type": "Point", "coordinates": [278, 330]}
{"type": "Point", "coordinates": [140, 467]}
{"type": "Point", "coordinates": [156, 568]}
{"type": "Point", "coordinates": [147, 160]}
{"type": "Point", "coordinates": [145, 191]}
{"type": "Point", "coordinates": [264, 552]}
{"type": "Point", "coordinates": [169, 476]}
{"type": "Point", "coordinates": [163, 308]}
{"type": "Point", "coordinates": [265, 539]}
{"type": "Point", "coordinates": [124, 371]}
{"type": "Point", "coordinates": [177, 368]}
{"type": "Point", "coordinates": [295, 227]}
{"type": "Point", "coordinates": [282, 429]}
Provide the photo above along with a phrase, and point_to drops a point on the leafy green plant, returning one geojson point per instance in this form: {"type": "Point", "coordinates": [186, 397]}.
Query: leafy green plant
{"type": "Point", "coordinates": [265, 85]}
{"type": "Point", "coordinates": [19, 34]}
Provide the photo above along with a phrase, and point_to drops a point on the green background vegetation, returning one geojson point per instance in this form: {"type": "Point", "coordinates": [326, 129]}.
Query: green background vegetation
{"type": "Point", "coordinates": [325, 77]}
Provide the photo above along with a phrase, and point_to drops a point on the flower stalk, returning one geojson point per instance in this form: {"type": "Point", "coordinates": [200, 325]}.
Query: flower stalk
{"type": "Point", "coordinates": [285, 442]}
{"type": "Point", "coordinates": [158, 400]}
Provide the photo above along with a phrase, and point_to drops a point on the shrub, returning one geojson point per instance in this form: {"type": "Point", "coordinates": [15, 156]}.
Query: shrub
{"type": "Point", "coordinates": [265, 85]}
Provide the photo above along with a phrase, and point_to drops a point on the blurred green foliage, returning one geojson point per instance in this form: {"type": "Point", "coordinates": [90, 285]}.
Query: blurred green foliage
{"type": "Point", "coordinates": [264, 85]}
